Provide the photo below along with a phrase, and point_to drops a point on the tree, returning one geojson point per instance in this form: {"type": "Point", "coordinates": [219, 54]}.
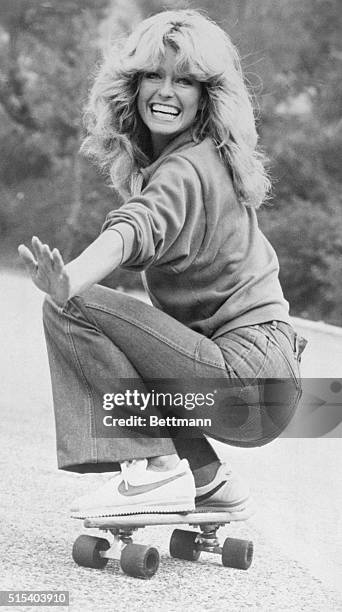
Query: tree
{"type": "Point", "coordinates": [48, 51]}
{"type": "Point", "coordinates": [37, 30]}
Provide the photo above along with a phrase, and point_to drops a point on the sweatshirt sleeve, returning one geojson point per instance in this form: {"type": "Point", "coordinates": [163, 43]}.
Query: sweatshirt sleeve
{"type": "Point", "coordinates": [167, 217]}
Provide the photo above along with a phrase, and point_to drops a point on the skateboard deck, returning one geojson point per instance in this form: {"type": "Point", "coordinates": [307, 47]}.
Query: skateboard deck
{"type": "Point", "coordinates": [195, 517]}
{"type": "Point", "coordinates": [142, 561]}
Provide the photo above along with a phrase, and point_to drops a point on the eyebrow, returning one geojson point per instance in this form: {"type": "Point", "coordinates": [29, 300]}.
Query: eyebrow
{"type": "Point", "coordinates": [177, 73]}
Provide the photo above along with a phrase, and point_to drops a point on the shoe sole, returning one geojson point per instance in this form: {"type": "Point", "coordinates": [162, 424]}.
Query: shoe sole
{"type": "Point", "coordinates": [244, 511]}
{"type": "Point", "coordinates": [166, 508]}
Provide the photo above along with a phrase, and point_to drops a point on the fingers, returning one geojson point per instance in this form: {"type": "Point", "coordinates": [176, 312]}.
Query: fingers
{"type": "Point", "coordinates": [28, 259]}
{"type": "Point", "coordinates": [57, 260]}
{"type": "Point", "coordinates": [43, 254]}
{"type": "Point", "coordinates": [36, 246]}
{"type": "Point", "coordinates": [43, 259]}
{"type": "Point", "coordinates": [49, 261]}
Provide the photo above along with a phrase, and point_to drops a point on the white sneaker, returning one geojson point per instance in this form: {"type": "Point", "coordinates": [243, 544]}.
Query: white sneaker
{"type": "Point", "coordinates": [226, 492]}
{"type": "Point", "coordinates": [137, 489]}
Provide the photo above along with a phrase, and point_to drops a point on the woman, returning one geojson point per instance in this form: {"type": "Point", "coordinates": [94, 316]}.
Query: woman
{"type": "Point", "coordinates": [170, 118]}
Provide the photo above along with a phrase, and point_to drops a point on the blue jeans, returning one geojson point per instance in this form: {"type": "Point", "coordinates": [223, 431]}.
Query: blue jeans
{"type": "Point", "coordinates": [103, 337]}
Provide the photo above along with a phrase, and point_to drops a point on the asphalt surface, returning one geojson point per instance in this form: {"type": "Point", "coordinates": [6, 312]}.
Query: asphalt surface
{"type": "Point", "coordinates": [296, 484]}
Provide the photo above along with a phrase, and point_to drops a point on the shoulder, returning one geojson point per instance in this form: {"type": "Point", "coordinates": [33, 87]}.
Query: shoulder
{"type": "Point", "coordinates": [201, 152]}
{"type": "Point", "coordinates": [178, 166]}
{"type": "Point", "coordinates": [202, 156]}
{"type": "Point", "coordinates": [197, 150]}
{"type": "Point", "coordinates": [193, 163]}
{"type": "Point", "coordinates": [206, 160]}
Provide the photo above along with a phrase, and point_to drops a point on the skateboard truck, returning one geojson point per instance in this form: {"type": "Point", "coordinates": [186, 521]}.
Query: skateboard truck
{"type": "Point", "coordinates": [142, 561]}
{"type": "Point", "coordinates": [208, 541]}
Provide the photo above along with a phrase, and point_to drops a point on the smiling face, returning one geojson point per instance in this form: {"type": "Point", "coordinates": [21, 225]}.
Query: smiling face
{"type": "Point", "coordinates": [167, 101]}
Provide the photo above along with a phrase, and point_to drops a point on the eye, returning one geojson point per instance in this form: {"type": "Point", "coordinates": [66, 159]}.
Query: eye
{"type": "Point", "coordinates": [151, 76]}
{"type": "Point", "coordinates": [185, 81]}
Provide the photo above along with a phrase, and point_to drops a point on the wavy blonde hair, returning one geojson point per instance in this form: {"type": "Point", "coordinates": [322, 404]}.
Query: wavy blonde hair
{"type": "Point", "coordinates": [118, 139]}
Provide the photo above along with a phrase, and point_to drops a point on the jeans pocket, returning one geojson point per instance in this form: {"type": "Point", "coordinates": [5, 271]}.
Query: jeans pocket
{"type": "Point", "coordinates": [245, 353]}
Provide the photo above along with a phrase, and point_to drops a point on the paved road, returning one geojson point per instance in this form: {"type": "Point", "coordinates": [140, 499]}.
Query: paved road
{"type": "Point", "coordinates": [297, 485]}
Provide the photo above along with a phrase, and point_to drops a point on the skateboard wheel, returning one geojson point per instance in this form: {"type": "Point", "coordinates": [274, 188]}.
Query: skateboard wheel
{"type": "Point", "coordinates": [139, 561]}
{"type": "Point", "coordinates": [86, 551]}
{"type": "Point", "coordinates": [237, 553]}
{"type": "Point", "coordinates": [183, 545]}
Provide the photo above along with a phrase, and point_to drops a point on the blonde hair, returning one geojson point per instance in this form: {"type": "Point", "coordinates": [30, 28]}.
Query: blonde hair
{"type": "Point", "coordinates": [118, 139]}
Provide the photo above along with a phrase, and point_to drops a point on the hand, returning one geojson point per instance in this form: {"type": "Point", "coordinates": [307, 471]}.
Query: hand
{"type": "Point", "coordinates": [47, 270]}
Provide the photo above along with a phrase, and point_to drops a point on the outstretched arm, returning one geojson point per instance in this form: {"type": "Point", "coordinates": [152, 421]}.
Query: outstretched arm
{"type": "Point", "coordinates": [63, 281]}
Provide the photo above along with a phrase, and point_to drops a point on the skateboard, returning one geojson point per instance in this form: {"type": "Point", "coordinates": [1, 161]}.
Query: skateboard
{"type": "Point", "coordinates": [142, 561]}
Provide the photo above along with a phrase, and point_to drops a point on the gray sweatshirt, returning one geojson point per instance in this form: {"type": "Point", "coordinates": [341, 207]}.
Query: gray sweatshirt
{"type": "Point", "coordinates": [204, 259]}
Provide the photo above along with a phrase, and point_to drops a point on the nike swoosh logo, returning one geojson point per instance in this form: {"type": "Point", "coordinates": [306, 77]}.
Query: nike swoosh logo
{"type": "Point", "coordinates": [201, 498]}
{"type": "Point", "coordinates": [145, 488]}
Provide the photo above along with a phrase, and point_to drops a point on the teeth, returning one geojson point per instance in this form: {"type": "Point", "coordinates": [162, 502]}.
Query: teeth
{"type": "Point", "coordinates": [163, 108]}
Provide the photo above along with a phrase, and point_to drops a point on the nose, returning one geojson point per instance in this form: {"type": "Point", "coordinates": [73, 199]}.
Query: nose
{"type": "Point", "coordinates": [166, 88]}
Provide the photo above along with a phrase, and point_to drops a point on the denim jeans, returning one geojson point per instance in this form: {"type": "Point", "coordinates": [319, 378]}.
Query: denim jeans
{"type": "Point", "coordinates": [103, 337]}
